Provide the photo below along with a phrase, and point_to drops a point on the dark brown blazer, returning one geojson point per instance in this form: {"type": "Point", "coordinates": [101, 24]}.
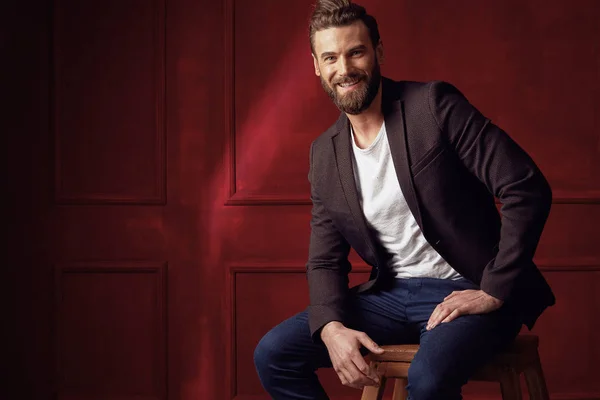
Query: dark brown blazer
{"type": "Point", "coordinates": [452, 163]}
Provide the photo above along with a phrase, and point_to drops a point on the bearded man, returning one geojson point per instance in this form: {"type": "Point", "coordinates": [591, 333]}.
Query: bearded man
{"type": "Point", "coordinates": [407, 177]}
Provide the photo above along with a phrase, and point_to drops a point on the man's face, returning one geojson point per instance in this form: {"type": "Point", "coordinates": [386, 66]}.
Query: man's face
{"type": "Point", "coordinates": [348, 66]}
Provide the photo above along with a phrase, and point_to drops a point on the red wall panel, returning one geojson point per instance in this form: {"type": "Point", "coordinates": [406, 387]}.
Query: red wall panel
{"type": "Point", "coordinates": [178, 132]}
{"type": "Point", "coordinates": [111, 330]}
{"type": "Point", "coordinates": [109, 101]}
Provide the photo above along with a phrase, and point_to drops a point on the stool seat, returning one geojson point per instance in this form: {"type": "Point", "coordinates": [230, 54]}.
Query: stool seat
{"type": "Point", "coordinates": [521, 356]}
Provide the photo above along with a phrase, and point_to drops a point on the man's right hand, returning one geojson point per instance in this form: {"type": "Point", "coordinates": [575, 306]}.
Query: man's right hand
{"type": "Point", "coordinates": [343, 345]}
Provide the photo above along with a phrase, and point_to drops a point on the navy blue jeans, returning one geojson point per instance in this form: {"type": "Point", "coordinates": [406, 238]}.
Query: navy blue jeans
{"type": "Point", "coordinates": [286, 358]}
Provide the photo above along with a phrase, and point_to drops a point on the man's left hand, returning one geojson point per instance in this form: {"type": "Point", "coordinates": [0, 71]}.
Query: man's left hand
{"type": "Point", "coordinates": [463, 302]}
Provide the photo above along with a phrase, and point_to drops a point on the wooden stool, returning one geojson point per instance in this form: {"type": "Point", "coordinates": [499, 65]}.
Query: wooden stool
{"type": "Point", "coordinates": [520, 357]}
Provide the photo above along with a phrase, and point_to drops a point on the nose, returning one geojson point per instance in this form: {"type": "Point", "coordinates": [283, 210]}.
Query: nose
{"type": "Point", "coordinates": [344, 66]}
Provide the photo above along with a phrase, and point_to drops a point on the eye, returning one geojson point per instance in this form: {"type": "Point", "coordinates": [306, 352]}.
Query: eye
{"type": "Point", "coordinates": [328, 58]}
{"type": "Point", "coordinates": [356, 52]}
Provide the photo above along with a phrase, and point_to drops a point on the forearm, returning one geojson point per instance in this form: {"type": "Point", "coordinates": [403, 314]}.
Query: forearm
{"type": "Point", "coordinates": [524, 214]}
{"type": "Point", "coordinates": [328, 291]}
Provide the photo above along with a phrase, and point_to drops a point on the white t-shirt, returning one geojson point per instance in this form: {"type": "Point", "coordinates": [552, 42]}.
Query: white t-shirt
{"type": "Point", "coordinates": [389, 216]}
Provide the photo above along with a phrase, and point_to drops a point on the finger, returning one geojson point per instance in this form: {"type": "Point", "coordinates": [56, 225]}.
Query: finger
{"type": "Point", "coordinates": [366, 341]}
{"type": "Point", "coordinates": [451, 295]}
{"type": "Point", "coordinates": [366, 370]}
{"type": "Point", "coordinates": [356, 378]}
{"type": "Point", "coordinates": [443, 313]}
{"type": "Point", "coordinates": [345, 378]}
{"type": "Point", "coordinates": [353, 376]}
{"type": "Point", "coordinates": [451, 302]}
{"type": "Point", "coordinates": [434, 315]}
{"type": "Point", "coordinates": [341, 375]}
{"type": "Point", "coordinates": [355, 386]}
{"type": "Point", "coordinates": [453, 315]}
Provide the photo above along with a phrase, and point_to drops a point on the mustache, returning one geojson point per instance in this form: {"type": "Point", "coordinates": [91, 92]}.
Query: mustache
{"type": "Point", "coordinates": [349, 79]}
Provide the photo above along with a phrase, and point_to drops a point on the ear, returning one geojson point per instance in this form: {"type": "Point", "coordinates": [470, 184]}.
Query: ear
{"type": "Point", "coordinates": [379, 52]}
{"type": "Point", "coordinates": [316, 65]}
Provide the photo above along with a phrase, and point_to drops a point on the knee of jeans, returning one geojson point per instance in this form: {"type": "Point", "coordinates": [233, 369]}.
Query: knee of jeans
{"type": "Point", "coordinates": [424, 383]}
{"type": "Point", "coordinates": [266, 352]}
{"type": "Point", "coordinates": [261, 353]}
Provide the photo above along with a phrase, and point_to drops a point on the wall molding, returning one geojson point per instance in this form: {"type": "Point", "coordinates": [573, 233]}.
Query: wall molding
{"type": "Point", "coordinates": [159, 269]}
{"type": "Point", "coordinates": [229, 90]}
{"type": "Point", "coordinates": [61, 396]}
{"type": "Point", "coordinates": [159, 198]}
{"type": "Point", "coordinates": [245, 199]}
{"type": "Point", "coordinates": [558, 264]}
{"type": "Point", "coordinates": [576, 197]}
{"type": "Point", "coordinates": [553, 396]}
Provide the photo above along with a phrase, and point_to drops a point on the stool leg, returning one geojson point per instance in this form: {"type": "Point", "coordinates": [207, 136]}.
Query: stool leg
{"type": "Point", "coordinates": [536, 384]}
{"type": "Point", "coordinates": [400, 389]}
{"type": "Point", "coordinates": [375, 392]}
{"type": "Point", "coordinates": [510, 385]}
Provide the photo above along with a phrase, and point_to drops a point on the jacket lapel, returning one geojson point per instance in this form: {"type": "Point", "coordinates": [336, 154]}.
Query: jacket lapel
{"type": "Point", "coordinates": [396, 132]}
{"type": "Point", "coordinates": [343, 156]}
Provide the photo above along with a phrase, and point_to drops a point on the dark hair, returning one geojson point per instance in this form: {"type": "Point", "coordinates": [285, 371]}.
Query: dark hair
{"type": "Point", "coordinates": [335, 13]}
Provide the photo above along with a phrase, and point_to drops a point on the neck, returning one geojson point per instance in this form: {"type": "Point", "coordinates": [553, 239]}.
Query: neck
{"type": "Point", "coordinates": [366, 125]}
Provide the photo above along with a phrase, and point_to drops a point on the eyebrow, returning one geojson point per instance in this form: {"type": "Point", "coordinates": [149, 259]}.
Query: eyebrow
{"type": "Point", "coordinates": [331, 53]}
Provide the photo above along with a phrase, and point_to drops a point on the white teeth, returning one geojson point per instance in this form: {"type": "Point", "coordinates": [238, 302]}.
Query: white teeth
{"type": "Point", "coordinates": [348, 84]}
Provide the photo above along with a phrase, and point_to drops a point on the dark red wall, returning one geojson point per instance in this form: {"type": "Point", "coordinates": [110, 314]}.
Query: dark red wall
{"type": "Point", "coordinates": [155, 180]}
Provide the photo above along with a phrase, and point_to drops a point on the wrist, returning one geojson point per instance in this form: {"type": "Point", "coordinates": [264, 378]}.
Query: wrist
{"type": "Point", "coordinates": [330, 328]}
{"type": "Point", "coordinates": [494, 299]}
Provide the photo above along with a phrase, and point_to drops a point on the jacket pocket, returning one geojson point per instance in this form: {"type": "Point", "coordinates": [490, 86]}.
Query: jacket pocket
{"type": "Point", "coordinates": [427, 159]}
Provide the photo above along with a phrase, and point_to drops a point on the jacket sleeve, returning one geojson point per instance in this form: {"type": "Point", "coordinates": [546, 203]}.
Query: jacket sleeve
{"type": "Point", "coordinates": [508, 173]}
{"type": "Point", "coordinates": [327, 267]}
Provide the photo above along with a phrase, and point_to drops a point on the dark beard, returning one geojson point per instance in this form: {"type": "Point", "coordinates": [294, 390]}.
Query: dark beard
{"type": "Point", "coordinates": [359, 99]}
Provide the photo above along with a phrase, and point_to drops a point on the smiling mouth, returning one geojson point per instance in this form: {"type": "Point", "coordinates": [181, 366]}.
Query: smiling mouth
{"type": "Point", "coordinates": [347, 85]}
